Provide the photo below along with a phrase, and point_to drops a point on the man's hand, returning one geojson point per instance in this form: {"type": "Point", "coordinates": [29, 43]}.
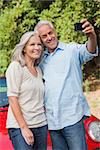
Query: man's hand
{"type": "Point", "coordinates": [89, 31]}
{"type": "Point", "coordinates": [88, 28]}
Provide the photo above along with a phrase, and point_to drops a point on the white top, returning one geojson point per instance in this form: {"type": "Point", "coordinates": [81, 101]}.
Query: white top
{"type": "Point", "coordinates": [30, 92]}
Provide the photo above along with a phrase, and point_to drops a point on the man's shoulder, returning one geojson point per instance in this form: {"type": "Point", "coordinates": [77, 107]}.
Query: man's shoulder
{"type": "Point", "coordinates": [70, 44]}
{"type": "Point", "coordinates": [69, 47]}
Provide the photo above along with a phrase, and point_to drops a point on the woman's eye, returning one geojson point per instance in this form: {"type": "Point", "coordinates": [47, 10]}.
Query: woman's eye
{"type": "Point", "coordinates": [40, 44]}
{"type": "Point", "coordinates": [32, 44]}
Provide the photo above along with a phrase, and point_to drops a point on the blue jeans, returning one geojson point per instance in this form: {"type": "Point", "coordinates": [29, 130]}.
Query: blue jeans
{"type": "Point", "coordinates": [69, 138]}
{"type": "Point", "coordinates": [40, 139]}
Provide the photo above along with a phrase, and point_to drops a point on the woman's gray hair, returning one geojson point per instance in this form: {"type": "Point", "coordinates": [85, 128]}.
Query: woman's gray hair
{"type": "Point", "coordinates": [18, 50]}
{"type": "Point", "coordinates": [43, 22]}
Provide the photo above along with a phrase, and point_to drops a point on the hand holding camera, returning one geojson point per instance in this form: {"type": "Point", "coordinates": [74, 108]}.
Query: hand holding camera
{"type": "Point", "coordinates": [85, 26]}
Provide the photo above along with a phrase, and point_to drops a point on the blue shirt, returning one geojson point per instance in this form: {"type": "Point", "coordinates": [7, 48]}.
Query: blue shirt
{"type": "Point", "coordinates": [64, 100]}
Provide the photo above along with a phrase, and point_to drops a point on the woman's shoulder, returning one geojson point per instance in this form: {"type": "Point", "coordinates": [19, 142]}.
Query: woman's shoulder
{"type": "Point", "coordinates": [15, 63]}
{"type": "Point", "coordinates": [13, 66]}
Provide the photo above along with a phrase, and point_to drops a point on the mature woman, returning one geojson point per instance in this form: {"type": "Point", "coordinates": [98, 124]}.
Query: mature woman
{"type": "Point", "coordinates": [26, 121]}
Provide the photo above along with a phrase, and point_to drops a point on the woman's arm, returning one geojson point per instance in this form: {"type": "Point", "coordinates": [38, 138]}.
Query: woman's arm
{"type": "Point", "coordinates": [26, 132]}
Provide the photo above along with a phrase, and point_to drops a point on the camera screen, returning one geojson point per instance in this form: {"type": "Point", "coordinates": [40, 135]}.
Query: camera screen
{"type": "Point", "coordinates": [78, 27]}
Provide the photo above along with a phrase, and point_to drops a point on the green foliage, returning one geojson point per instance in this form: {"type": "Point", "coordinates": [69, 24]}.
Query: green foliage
{"type": "Point", "coordinates": [65, 23]}
{"type": "Point", "coordinates": [15, 19]}
{"type": "Point", "coordinates": [52, 13]}
{"type": "Point", "coordinates": [4, 59]}
{"type": "Point", "coordinates": [1, 4]}
{"type": "Point", "coordinates": [92, 11]}
{"type": "Point", "coordinates": [87, 86]}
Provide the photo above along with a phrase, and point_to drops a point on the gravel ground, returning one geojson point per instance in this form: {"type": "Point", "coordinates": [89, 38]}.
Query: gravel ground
{"type": "Point", "coordinates": [93, 99]}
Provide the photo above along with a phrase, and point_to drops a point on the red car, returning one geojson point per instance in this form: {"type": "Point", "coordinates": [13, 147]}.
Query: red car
{"type": "Point", "coordinates": [92, 126]}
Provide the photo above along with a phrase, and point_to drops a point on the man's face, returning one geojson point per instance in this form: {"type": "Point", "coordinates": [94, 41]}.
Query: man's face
{"type": "Point", "coordinates": [49, 37]}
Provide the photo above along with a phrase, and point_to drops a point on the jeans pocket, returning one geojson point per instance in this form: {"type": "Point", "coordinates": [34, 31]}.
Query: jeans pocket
{"type": "Point", "coordinates": [13, 132]}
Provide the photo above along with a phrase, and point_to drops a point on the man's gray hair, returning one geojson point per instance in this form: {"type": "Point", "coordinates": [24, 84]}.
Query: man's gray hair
{"type": "Point", "coordinates": [18, 54]}
{"type": "Point", "coordinates": [43, 22]}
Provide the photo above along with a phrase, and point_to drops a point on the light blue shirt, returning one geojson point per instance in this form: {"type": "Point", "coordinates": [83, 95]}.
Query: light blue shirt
{"type": "Point", "coordinates": [64, 100]}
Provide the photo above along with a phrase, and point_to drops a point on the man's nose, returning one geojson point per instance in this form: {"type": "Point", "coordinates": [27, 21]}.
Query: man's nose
{"type": "Point", "coordinates": [49, 37]}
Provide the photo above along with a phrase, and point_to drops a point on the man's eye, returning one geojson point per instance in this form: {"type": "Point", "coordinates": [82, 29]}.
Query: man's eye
{"type": "Point", "coordinates": [44, 36]}
{"type": "Point", "coordinates": [50, 33]}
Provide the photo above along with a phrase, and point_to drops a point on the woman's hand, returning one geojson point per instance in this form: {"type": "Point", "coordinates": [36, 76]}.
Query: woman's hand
{"type": "Point", "coordinates": [28, 135]}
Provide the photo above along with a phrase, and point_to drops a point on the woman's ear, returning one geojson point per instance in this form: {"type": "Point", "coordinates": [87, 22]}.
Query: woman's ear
{"type": "Point", "coordinates": [23, 52]}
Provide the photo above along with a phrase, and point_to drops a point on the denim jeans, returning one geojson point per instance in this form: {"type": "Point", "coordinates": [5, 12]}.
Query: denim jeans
{"type": "Point", "coordinates": [40, 139]}
{"type": "Point", "coordinates": [69, 138]}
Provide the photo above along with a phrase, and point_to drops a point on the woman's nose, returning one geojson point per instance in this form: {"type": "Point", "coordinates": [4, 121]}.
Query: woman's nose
{"type": "Point", "coordinates": [36, 46]}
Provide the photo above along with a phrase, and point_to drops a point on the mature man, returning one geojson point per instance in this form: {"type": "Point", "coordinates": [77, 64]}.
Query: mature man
{"type": "Point", "coordinates": [65, 103]}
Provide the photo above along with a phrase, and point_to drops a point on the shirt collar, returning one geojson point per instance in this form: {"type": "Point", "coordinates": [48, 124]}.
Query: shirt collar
{"type": "Point", "coordinates": [59, 47]}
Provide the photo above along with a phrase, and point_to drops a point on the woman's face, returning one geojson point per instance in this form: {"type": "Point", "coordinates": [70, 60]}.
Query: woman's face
{"type": "Point", "coordinates": [33, 48]}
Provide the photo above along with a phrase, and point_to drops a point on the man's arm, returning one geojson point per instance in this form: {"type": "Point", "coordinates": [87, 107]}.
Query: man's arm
{"type": "Point", "coordinates": [89, 31]}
